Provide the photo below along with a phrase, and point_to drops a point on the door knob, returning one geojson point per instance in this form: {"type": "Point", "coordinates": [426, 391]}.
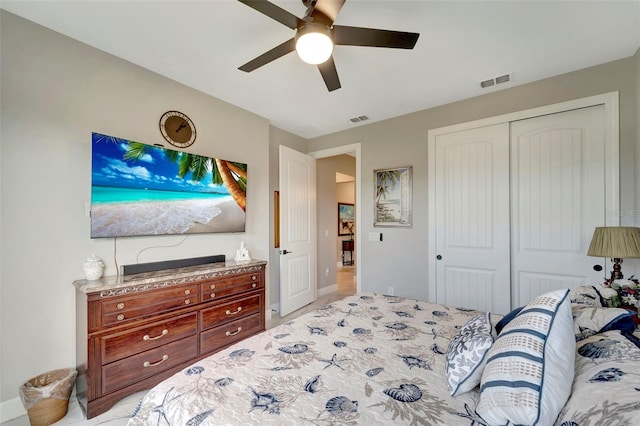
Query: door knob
{"type": "Point", "coordinates": [597, 268]}
{"type": "Point", "coordinates": [439, 257]}
{"type": "Point", "coordinates": [285, 252]}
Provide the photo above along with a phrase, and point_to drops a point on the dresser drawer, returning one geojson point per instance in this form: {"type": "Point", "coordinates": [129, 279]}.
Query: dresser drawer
{"type": "Point", "coordinates": [124, 308]}
{"type": "Point", "coordinates": [122, 373]}
{"type": "Point", "coordinates": [234, 331]}
{"type": "Point", "coordinates": [225, 312]}
{"type": "Point", "coordinates": [121, 345]}
{"type": "Point", "coordinates": [222, 287]}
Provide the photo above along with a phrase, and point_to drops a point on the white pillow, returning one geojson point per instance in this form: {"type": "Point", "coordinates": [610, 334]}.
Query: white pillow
{"type": "Point", "coordinates": [467, 354]}
{"type": "Point", "coordinates": [530, 367]}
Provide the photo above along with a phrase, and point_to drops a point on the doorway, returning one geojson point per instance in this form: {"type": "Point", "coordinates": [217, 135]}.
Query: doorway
{"type": "Point", "coordinates": [347, 277]}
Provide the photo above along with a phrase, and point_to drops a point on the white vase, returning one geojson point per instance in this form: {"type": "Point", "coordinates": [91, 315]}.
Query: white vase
{"type": "Point", "coordinates": [93, 268]}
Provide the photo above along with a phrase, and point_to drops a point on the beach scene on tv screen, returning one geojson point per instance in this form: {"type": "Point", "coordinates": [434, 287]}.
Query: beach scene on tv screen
{"type": "Point", "coordinates": [139, 189]}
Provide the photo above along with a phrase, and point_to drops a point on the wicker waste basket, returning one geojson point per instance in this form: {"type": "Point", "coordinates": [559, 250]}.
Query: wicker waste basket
{"type": "Point", "coordinates": [46, 397]}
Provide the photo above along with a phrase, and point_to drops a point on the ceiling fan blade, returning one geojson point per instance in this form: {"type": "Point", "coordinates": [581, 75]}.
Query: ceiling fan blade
{"type": "Point", "coordinates": [330, 74]}
{"type": "Point", "coordinates": [329, 8]}
{"type": "Point", "coordinates": [273, 54]}
{"type": "Point", "coordinates": [274, 12]}
{"type": "Point", "coordinates": [357, 36]}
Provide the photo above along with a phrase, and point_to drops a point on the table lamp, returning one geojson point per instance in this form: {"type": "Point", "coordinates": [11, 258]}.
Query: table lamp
{"type": "Point", "coordinates": [616, 243]}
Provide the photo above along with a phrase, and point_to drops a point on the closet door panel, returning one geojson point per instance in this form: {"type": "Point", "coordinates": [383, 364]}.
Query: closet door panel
{"type": "Point", "coordinates": [558, 178]}
{"type": "Point", "coordinates": [472, 218]}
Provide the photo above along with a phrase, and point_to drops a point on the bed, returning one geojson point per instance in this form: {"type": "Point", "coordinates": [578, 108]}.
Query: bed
{"type": "Point", "coordinates": [376, 359]}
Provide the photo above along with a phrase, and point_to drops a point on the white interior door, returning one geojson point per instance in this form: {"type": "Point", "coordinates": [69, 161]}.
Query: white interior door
{"type": "Point", "coordinates": [558, 198]}
{"type": "Point", "coordinates": [297, 230]}
{"type": "Point", "coordinates": [472, 218]}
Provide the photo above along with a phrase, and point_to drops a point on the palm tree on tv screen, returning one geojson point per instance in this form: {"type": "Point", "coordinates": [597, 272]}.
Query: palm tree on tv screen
{"type": "Point", "coordinates": [228, 173]}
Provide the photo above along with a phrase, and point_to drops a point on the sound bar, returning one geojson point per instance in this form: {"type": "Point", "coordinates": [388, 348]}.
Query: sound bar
{"type": "Point", "coordinates": [171, 264]}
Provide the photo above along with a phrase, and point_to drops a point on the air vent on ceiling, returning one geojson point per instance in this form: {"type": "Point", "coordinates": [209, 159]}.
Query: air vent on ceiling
{"type": "Point", "coordinates": [487, 83]}
{"type": "Point", "coordinates": [359, 119]}
{"type": "Point", "coordinates": [496, 80]}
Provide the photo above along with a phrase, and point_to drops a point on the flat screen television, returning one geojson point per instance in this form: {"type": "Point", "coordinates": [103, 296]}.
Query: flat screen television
{"type": "Point", "coordinates": [139, 189]}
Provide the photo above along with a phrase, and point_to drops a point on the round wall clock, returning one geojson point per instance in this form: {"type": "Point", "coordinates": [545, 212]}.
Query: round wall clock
{"type": "Point", "coordinates": [177, 129]}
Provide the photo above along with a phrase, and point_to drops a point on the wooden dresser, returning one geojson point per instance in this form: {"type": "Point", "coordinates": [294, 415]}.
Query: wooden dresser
{"type": "Point", "coordinates": [135, 331]}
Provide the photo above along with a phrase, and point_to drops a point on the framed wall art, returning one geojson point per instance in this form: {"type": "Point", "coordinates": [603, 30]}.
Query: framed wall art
{"type": "Point", "coordinates": [392, 205]}
{"type": "Point", "coordinates": [346, 219]}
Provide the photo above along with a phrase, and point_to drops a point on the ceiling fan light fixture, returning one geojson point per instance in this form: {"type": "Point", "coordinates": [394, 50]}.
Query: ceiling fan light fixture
{"type": "Point", "coordinates": [314, 44]}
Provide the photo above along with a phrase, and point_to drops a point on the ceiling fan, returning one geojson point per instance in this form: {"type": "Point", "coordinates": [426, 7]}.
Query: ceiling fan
{"type": "Point", "coordinates": [316, 36]}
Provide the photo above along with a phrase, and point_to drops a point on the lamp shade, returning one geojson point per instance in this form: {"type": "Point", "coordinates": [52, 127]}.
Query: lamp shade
{"type": "Point", "coordinates": [621, 242]}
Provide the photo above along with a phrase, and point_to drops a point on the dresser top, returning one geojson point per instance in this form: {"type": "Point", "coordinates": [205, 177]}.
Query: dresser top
{"type": "Point", "coordinates": [120, 284]}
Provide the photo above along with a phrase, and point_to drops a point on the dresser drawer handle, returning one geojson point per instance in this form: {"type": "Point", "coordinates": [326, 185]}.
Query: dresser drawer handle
{"type": "Point", "coordinates": [120, 317]}
{"type": "Point", "coordinates": [187, 292]}
{"type": "Point", "coordinates": [233, 333]}
{"type": "Point", "coordinates": [254, 285]}
{"type": "Point", "coordinates": [213, 286]}
{"type": "Point", "coordinates": [149, 364]}
{"type": "Point", "coordinates": [237, 311]}
{"type": "Point", "coordinates": [187, 301]}
{"type": "Point", "coordinates": [164, 333]}
{"type": "Point", "coordinates": [120, 306]}
{"type": "Point", "coordinates": [253, 277]}
{"type": "Point", "coordinates": [213, 295]}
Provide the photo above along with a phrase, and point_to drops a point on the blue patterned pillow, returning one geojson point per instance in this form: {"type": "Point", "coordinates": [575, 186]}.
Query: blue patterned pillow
{"type": "Point", "coordinates": [467, 352]}
{"type": "Point", "coordinates": [588, 321]}
{"type": "Point", "coordinates": [530, 367]}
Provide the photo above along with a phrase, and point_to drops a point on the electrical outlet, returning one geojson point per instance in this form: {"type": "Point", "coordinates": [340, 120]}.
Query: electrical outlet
{"type": "Point", "coordinates": [391, 291]}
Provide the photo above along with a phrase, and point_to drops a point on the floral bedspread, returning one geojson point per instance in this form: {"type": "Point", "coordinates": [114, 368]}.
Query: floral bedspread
{"type": "Point", "coordinates": [367, 359]}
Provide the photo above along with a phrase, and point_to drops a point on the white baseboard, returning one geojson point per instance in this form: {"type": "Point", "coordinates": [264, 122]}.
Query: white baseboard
{"type": "Point", "coordinates": [328, 289]}
{"type": "Point", "coordinates": [275, 308]}
{"type": "Point", "coordinates": [11, 409]}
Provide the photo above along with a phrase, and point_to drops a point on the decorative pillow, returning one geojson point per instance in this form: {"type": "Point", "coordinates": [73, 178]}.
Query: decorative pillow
{"type": "Point", "coordinates": [588, 321]}
{"type": "Point", "coordinates": [466, 354]}
{"type": "Point", "coordinates": [606, 384]}
{"type": "Point", "coordinates": [587, 295]}
{"type": "Point", "coordinates": [507, 319]}
{"type": "Point", "coordinates": [529, 370]}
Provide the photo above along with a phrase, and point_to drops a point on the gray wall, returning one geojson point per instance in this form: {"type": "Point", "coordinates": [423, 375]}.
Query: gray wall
{"type": "Point", "coordinates": [400, 260]}
{"type": "Point", "coordinates": [327, 213]}
{"type": "Point", "coordinates": [55, 92]}
{"type": "Point", "coordinates": [636, 212]}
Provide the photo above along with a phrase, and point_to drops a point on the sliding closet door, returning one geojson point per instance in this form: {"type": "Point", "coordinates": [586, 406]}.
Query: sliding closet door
{"type": "Point", "coordinates": [472, 218]}
{"type": "Point", "coordinates": [557, 196]}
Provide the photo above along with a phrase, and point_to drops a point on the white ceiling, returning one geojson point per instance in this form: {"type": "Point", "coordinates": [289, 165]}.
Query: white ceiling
{"type": "Point", "coordinates": [202, 43]}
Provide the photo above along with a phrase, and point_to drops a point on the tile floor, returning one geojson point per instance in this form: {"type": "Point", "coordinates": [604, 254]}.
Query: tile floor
{"type": "Point", "coordinates": [120, 413]}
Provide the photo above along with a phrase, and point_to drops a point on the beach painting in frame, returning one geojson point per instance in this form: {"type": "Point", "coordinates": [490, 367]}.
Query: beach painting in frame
{"type": "Point", "coordinates": [139, 189]}
{"type": "Point", "coordinates": [393, 189]}
{"type": "Point", "coordinates": [346, 219]}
